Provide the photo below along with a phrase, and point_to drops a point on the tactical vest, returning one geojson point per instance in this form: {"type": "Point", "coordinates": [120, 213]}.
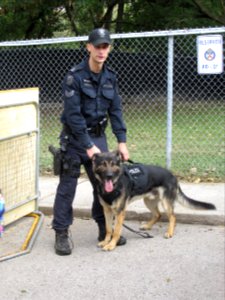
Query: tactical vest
{"type": "Point", "coordinates": [138, 178]}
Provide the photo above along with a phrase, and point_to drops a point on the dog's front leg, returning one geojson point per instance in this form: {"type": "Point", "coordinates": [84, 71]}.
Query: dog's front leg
{"type": "Point", "coordinates": [109, 226]}
{"type": "Point", "coordinates": [117, 232]}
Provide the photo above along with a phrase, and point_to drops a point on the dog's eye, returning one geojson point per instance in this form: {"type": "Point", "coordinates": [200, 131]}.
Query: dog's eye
{"type": "Point", "coordinates": [104, 164]}
{"type": "Point", "coordinates": [98, 170]}
{"type": "Point", "coordinates": [114, 163]}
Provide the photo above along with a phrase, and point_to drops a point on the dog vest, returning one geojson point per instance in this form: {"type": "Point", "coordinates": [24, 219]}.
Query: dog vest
{"type": "Point", "coordinates": [138, 178]}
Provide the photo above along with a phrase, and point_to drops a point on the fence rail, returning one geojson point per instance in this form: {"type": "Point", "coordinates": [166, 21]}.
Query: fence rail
{"type": "Point", "coordinates": [175, 116]}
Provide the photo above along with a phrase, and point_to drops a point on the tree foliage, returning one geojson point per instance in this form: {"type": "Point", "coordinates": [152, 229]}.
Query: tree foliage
{"type": "Point", "coordinates": [26, 19]}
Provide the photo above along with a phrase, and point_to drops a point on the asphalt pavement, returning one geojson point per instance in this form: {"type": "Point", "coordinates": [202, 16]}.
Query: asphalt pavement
{"type": "Point", "coordinates": [189, 266]}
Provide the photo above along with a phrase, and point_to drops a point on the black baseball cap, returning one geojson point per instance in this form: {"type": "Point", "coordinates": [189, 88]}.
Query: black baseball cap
{"type": "Point", "coordinates": [99, 36]}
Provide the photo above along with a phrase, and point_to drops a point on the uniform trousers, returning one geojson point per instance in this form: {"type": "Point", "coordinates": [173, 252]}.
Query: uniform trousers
{"type": "Point", "coordinates": [66, 190]}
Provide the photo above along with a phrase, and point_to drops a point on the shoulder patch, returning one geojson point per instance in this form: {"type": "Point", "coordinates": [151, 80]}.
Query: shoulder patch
{"type": "Point", "coordinates": [69, 80]}
{"type": "Point", "coordinates": [69, 94]}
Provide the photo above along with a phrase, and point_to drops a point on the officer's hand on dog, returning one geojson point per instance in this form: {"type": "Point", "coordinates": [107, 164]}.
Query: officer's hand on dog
{"type": "Point", "coordinates": [93, 150]}
{"type": "Point", "coordinates": [122, 147]}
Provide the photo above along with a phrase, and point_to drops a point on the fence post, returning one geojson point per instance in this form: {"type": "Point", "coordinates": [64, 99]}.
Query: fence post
{"type": "Point", "coordinates": [169, 101]}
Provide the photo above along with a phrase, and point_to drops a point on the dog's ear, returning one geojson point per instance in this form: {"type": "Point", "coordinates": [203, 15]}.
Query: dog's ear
{"type": "Point", "coordinates": [118, 156]}
{"type": "Point", "coordinates": [93, 161]}
{"type": "Point", "coordinates": [94, 157]}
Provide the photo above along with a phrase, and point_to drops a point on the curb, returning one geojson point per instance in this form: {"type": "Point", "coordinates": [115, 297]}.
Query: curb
{"type": "Point", "coordinates": [85, 213]}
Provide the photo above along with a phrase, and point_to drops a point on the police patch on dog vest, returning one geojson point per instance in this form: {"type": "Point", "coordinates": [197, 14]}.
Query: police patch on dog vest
{"type": "Point", "coordinates": [138, 178]}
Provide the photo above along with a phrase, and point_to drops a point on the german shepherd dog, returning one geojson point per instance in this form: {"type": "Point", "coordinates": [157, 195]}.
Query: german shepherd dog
{"type": "Point", "coordinates": [119, 184]}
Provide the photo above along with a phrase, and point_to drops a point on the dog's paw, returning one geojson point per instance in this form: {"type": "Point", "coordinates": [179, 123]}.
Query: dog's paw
{"type": "Point", "coordinates": [103, 243]}
{"type": "Point", "coordinates": [145, 226]}
{"type": "Point", "coordinates": [168, 235]}
{"type": "Point", "coordinates": [100, 244]}
{"type": "Point", "coordinates": [109, 247]}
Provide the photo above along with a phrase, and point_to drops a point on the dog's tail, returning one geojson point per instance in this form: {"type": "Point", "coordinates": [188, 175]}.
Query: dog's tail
{"type": "Point", "coordinates": [191, 203]}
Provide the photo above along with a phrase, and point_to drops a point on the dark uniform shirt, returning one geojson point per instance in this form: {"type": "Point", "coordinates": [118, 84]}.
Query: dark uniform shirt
{"type": "Point", "coordinates": [88, 99]}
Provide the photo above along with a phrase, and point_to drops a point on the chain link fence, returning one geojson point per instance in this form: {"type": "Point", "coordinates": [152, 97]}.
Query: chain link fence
{"type": "Point", "coordinates": [141, 61]}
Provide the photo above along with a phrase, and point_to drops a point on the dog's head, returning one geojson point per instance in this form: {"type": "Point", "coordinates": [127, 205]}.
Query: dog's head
{"type": "Point", "coordinates": [107, 170]}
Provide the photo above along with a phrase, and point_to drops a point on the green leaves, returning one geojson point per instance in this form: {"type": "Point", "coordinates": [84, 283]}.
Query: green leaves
{"type": "Point", "coordinates": [31, 19]}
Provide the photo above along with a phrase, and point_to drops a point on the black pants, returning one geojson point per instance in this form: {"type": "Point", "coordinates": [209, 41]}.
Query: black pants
{"type": "Point", "coordinates": [63, 210]}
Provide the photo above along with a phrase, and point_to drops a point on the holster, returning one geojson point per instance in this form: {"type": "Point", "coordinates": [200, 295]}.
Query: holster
{"type": "Point", "coordinates": [64, 164]}
{"type": "Point", "coordinates": [57, 159]}
{"type": "Point", "coordinates": [71, 167]}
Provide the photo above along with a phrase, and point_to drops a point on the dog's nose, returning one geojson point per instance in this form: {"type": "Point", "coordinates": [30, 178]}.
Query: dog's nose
{"type": "Point", "coordinates": [109, 175]}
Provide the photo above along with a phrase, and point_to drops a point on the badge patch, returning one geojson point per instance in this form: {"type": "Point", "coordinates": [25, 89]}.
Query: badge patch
{"type": "Point", "coordinates": [135, 171]}
{"type": "Point", "coordinates": [108, 86]}
{"type": "Point", "coordinates": [87, 83]}
{"type": "Point", "coordinates": [69, 94]}
{"type": "Point", "coordinates": [69, 80]}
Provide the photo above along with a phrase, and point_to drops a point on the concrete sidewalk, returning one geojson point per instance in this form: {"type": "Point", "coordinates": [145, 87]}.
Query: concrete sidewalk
{"type": "Point", "coordinates": [207, 192]}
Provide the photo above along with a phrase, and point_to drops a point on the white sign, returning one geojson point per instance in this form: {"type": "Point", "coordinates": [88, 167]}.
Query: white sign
{"type": "Point", "coordinates": [210, 54]}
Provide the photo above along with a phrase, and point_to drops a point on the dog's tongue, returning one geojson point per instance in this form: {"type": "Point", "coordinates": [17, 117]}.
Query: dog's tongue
{"type": "Point", "coordinates": [108, 186]}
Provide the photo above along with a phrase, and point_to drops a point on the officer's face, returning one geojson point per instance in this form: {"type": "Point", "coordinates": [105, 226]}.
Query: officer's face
{"type": "Point", "coordinates": [98, 54]}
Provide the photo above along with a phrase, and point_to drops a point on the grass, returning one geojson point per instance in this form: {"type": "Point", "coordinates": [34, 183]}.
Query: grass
{"type": "Point", "coordinates": [198, 138]}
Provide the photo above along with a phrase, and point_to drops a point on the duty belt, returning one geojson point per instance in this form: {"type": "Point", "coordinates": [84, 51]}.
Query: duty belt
{"type": "Point", "coordinates": [98, 129]}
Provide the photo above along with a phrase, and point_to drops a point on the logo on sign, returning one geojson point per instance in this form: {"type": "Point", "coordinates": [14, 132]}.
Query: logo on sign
{"type": "Point", "coordinates": [210, 54]}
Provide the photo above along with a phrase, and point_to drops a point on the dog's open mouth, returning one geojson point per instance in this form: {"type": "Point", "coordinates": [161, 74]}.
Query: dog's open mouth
{"type": "Point", "coordinates": [108, 186]}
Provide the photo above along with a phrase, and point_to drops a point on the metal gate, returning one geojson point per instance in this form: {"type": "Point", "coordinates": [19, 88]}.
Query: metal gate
{"type": "Point", "coordinates": [19, 139]}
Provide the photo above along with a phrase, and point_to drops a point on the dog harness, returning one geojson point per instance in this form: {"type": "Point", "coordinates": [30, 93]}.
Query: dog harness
{"type": "Point", "coordinates": [138, 178]}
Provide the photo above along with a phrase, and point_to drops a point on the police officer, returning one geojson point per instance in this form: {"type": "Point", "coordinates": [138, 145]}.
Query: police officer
{"type": "Point", "coordinates": [90, 98]}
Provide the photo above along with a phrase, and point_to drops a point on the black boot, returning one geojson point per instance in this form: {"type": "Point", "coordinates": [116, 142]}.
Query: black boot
{"type": "Point", "coordinates": [102, 232]}
{"type": "Point", "coordinates": [63, 244]}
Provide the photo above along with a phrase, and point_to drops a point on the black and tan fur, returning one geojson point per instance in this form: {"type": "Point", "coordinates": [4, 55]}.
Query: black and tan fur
{"type": "Point", "coordinates": [115, 193]}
